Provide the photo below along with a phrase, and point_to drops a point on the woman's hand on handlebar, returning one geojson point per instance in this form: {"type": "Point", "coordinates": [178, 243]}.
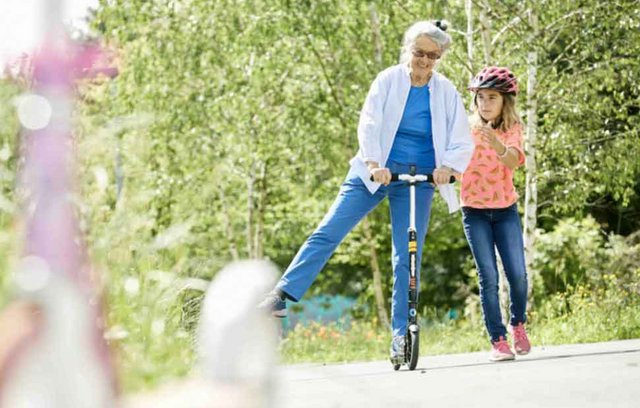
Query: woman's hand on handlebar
{"type": "Point", "coordinates": [380, 175]}
{"type": "Point", "coordinates": [442, 175]}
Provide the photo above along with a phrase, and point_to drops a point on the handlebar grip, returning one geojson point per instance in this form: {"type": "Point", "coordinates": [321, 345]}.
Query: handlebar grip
{"type": "Point", "coordinates": [452, 179]}
{"type": "Point", "coordinates": [394, 177]}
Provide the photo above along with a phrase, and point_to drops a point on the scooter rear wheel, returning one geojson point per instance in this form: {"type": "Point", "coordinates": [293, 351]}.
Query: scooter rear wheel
{"type": "Point", "coordinates": [413, 349]}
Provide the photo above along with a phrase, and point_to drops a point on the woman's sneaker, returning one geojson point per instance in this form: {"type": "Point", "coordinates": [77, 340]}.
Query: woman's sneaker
{"type": "Point", "coordinates": [521, 343]}
{"type": "Point", "coordinates": [500, 350]}
{"type": "Point", "coordinates": [397, 350]}
{"type": "Point", "coordinates": [275, 304]}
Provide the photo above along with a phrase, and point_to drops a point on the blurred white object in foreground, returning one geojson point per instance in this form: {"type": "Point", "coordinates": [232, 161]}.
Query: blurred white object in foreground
{"type": "Point", "coordinates": [237, 346]}
{"type": "Point", "coordinates": [236, 342]}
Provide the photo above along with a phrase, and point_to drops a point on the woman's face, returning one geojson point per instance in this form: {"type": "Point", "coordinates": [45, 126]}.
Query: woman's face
{"type": "Point", "coordinates": [424, 54]}
{"type": "Point", "coordinates": [489, 102]}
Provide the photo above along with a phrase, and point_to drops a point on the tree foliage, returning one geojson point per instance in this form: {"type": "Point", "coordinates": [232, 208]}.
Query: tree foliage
{"type": "Point", "coordinates": [230, 125]}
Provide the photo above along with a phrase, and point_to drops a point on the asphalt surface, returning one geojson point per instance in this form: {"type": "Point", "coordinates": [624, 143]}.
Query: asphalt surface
{"type": "Point", "coordinates": [577, 375]}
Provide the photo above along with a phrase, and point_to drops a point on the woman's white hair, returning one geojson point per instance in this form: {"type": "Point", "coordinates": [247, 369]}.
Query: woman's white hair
{"type": "Point", "coordinates": [434, 30]}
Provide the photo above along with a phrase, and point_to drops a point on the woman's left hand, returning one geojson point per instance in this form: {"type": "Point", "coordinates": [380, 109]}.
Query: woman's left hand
{"type": "Point", "coordinates": [442, 175]}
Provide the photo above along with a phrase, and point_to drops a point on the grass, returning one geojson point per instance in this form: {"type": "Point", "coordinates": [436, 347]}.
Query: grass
{"type": "Point", "coordinates": [583, 315]}
{"type": "Point", "coordinates": [362, 341]}
{"type": "Point", "coordinates": [152, 324]}
{"type": "Point", "coordinates": [152, 337]}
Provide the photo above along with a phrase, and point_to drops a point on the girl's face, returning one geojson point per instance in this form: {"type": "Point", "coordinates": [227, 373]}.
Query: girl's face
{"type": "Point", "coordinates": [425, 53]}
{"type": "Point", "coordinates": [489, 103]}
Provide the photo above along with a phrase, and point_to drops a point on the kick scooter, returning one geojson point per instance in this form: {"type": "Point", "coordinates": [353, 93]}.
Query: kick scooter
{"type": "Point", "coordinates": [412, 337]}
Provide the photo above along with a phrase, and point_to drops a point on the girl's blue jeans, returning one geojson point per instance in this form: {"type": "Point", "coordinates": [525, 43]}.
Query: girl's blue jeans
{"type": "Point", "coordinates": [486, 230]}
{"type": "Point", "coordinates": [354, 201]}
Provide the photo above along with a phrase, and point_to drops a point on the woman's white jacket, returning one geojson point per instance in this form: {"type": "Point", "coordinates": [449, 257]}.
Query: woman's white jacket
{"type": "Point", "coordinates": [381, 115]}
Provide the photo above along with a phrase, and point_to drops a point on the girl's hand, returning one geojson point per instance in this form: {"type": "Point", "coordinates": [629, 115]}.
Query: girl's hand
{"type": "Point", "coordinates": [380, 175]}
{"type": "Point", "coordinates": [442, 175]}
{"type": "Point", "coordinates": [490, 137]}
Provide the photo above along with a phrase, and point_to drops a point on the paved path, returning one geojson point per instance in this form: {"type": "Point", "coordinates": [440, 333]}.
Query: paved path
{"type": "Point", "coordinates": [579, 375]}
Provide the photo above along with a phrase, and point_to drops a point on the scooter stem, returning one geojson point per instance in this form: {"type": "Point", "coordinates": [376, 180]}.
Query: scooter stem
{"type": "Point", "coordinates": [412, 206]}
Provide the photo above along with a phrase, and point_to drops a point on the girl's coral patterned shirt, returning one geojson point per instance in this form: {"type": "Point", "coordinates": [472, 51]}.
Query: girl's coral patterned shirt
{"type": "Point", "coordinates": [487, 182]}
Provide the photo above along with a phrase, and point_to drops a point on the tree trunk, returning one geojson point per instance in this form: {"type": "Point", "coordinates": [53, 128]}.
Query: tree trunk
{"type": "Point", "coordinates": [258, 246]}
{"type": "Point", "coordinates": [383, 316]}
{"type": "Point", "coordinates": [468, 8]}
{"type": "Point", "coordinates": [377, 40]}
{"type": "Point", "coordinates": [485, 33]}
{"type": "Point", "coordinates": [227, 226]}
{"type": "Point", "coordinates": [531, 193]}
{"type": "Point", "coordinates": [251, 180]}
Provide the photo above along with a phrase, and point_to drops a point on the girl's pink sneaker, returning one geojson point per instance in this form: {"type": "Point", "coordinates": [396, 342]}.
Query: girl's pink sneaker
{"type": "Point", "coordinates": [500, 350]}
{"type": "Point", "coordinates": [521, 343]}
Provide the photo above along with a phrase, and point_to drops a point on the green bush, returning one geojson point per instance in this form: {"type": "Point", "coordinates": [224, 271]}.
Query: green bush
{"type": "Point", "coordinates": [577, 253]}
{"type": "Point", "coordinates": [570, 255]}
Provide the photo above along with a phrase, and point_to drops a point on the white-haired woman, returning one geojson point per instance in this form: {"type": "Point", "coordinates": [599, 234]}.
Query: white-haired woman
{"type": "Point", "coordinates": [412, 116]}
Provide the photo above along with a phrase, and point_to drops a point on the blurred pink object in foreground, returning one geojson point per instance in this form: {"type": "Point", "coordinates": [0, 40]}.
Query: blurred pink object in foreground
{"type": "Point", "coordinates": [61, 359]}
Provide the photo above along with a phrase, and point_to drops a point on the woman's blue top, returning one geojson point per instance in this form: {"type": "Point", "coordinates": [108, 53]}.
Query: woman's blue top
{"type": "Point", "coordinates": [413, 143]}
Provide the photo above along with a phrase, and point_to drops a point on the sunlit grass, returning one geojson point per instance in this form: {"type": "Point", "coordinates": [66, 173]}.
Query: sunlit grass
{"type": "Point", "coordinates": [152, 329]}
{"type": "Point", "coordinates": [584, 315]}
{"type": "Point", "coordinates": [587, 314]}
{"type": "Point", "coordinates": [152, 321]}
{"type": "Point", "coordinates": [363, 341]}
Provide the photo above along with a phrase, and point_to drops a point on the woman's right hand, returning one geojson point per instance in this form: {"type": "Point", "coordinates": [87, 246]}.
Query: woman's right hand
{"type": "Point", "coordinates": [442, 175]}
{"type": "Point", "coordinates": [380, 175]}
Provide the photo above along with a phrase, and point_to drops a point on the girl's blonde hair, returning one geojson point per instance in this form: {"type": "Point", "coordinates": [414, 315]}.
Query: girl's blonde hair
{"type": "Point", "coordinates": [508, 117]}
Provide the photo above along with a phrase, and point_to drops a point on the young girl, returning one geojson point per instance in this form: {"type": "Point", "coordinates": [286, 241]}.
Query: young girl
{"type": "Point", "coordinates": [489, 209]}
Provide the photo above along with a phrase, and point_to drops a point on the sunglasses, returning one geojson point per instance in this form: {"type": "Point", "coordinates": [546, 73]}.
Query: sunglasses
{"type": "Point", "coordinates": [431, 55]}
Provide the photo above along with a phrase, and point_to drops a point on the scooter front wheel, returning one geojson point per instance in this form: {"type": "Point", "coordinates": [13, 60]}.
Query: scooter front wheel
{"type": "Point", "coordinates": [413, 348]}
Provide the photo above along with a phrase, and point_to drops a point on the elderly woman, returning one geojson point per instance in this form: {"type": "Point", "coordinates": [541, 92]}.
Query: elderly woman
{"type": "Point", "coordinates": [412, 116]}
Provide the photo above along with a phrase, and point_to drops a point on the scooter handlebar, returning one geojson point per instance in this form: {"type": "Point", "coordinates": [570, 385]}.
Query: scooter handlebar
{"type": "Point", "coordinates": [418, 177]}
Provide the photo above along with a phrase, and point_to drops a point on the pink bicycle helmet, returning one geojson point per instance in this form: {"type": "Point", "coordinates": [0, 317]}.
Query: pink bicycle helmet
{"type": "Point", "coordinates": [498, 78]}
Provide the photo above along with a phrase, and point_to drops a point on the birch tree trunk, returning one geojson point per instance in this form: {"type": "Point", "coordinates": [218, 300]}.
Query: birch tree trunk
{"type": "Point", "coordinates": [377, 40]}
{"type": "Point", "coordinates": [531, 192]}
{"type": "Point", "coordinates": [468, 8]}
{"type": "Point", "coordinates": [485, 34]}
{"type": "Point", "coordinates": [378, 291]}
